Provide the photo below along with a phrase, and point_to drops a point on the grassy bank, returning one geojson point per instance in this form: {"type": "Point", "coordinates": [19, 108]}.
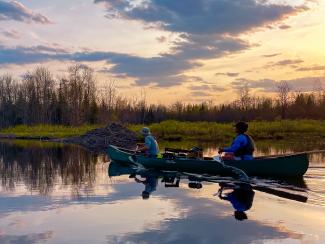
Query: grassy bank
{"type": "Point", "coordinates": [51, 131]}
{"type": "Point", "coordinates": [175, 130]}
{"type": "Point", "coordinates": [219, 131]}
{"type": "Point", "coordinates": [32, 143]}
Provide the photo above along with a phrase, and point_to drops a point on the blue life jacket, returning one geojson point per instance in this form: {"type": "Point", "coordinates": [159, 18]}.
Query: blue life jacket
{"type": "Point", "coordinates": [247, 149]}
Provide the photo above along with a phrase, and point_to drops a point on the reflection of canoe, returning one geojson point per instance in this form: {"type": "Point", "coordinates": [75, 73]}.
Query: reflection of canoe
{"type": "Point", "coordinates": [195, 181]}
{"type": "Point", "coordinates": [294, 165]}
{"type": "Point", "coordinates": [116, 169]}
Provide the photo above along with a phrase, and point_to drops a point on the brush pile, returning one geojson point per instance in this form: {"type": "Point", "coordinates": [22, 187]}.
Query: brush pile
{"type": "Point", "coordinates": [98, 139]}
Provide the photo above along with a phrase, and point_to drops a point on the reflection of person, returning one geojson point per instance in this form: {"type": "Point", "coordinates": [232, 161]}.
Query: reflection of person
{"type": "Point", "coordinates": [150, 146]}
{"type": "Point", "coordinates": [242, 147]}
{"type": "Point", "coordinates": [241, 198]}
{"type": "Point", "coordinates": [150, 183]}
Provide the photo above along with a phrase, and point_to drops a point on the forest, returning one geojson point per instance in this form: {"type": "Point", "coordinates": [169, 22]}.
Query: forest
{"type": "Point", "coordinates": [75, 99]}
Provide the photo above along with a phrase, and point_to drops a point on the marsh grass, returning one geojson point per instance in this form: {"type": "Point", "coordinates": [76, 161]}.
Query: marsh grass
{"type": "Point", "coordinates": [284, 129]}
{"type": "Point", "coordinates": [32, 143]}
{"type": "Point", "coordinates": [51, 131]}
{"type": "Point", "coordinates": [177, 130]}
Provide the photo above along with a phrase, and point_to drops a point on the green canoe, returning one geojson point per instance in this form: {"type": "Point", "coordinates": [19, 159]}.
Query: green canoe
{"type": "Point", "coordinates": [294, 165]}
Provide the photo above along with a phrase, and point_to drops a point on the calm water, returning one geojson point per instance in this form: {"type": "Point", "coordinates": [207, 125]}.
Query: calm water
{"type": "Point", "coordinates": [61, 194]}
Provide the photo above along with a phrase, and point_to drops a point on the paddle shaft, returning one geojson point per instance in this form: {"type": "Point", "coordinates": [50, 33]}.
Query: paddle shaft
{"type": "Point", "coordinates": [314, 151]}
{"type": "Point", "coordinates": [265, 189]}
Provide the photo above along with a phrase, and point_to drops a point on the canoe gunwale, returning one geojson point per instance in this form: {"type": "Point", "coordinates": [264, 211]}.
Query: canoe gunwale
{"type": "Point", "coordinates": [276, 156]}
{"type": "Point", "coordinates": [290, 165]}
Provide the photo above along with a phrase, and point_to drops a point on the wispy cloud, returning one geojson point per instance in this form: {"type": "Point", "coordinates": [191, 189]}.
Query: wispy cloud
{"type": "Point", "coordinates": [312, 68]}
{"type": "Point", "coordinates": [204, 87]}
{"type": "Point", "coordinates": [201, 16]}
{"type": "Point", "coordinates": [229, 74]}
{"type": "Point", "coordinates": [304, 84]}
{"type": "Point", "coordinates": [271, 55]}
{"type": "Point", "coordinates": [11, 34]}
{"type": "Point", "coordinates": [35, 54]}
{"type": "Point", "coordinates": [201, 94]}
{"type": "Point", "coordinates": [209, 29]}
{"type": "Point", "coordinates": [13, 10]}
{"type": "Point", "coordinates": [206, 30]}
{"type": "Point", "coordinates": [283, 63]}
{"type": "Point", "coordinates": [161, 39]}
{"type": "Point", "coordinates": [164, 70]}
{"type": "Point", "coordinates": [284, 27]}
{"type": "Point", "coordinates": [288, 62]}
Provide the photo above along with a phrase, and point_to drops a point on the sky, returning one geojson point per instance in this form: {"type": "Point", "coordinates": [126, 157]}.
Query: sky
{"type": "Point", "coordinates": [189, 51]}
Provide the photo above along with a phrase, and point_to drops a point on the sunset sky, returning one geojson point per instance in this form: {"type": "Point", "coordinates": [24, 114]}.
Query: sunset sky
{"type": "Point", "coordinates": [174, 50]}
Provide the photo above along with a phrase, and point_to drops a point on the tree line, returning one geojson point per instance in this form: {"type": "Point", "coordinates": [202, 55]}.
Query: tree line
{"type": "Point", "coordinates": [75, 99]}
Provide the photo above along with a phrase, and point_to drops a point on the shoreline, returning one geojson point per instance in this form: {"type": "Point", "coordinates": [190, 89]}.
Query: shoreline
{"type": "Point", "coordinates": [96, 139]}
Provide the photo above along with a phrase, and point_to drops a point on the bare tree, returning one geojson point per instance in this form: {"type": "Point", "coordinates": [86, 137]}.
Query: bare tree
{"type": "Point", "coordinates": [44, 82]}
{"type": "Point", "coordinates": [319, 91]}
{"type": "Point", "coordinates": [81, 92]}
{"type": "Point", "coordinates": [110, 94]}
{"type": "Point", "coordinates": [75, 99]}
{"type": "Point", "coordinates": [143, 105]}
{"type": "Point", "coordinates": [244, 97]}
{"type": "Point", "coordinates": [178, 107]}
{"type": "Point", "coordinates": [108, 98]}
{"type": "Point", "coordinates": [283, 97]}
{"type": "Point", "coordinates": [8, 96]}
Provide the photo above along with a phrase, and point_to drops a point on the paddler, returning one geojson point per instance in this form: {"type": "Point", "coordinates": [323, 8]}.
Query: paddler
{"type": "Point", "coordinates": [242, 147]}
{"type": "Point", "coordinates": [150, 146]}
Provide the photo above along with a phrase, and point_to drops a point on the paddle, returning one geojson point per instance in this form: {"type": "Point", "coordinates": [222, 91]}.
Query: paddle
{"type": "Point", "coordinates": [133, 159]}
{"type": "Point", "coordinates": [275, 192]}
{"type": "Point", "coordinates": [283, 194]}
{"type": "Point", "coordinates": [242, 175]}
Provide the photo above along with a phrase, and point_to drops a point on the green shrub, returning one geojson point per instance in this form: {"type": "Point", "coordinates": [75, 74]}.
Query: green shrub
{"type": "Point", "coordinates": [52, 131]}
{"type": "Point", "coordinates": [222, 131]}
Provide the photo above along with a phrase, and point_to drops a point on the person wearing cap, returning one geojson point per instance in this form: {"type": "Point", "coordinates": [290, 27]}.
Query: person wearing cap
{"type": "Point", "coordinates": [242, 146]}
{"type": "Point", "coordinates": [150, 146]}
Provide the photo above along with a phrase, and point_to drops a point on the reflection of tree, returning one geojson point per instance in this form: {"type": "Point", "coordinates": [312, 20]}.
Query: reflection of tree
{"type": "Point", "coordinates": [42, 168]}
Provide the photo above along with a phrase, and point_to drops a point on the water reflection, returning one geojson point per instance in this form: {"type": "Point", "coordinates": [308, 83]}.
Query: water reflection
{"type": "Point", "coordinates": [202, 222]}
{"type": "Point", "coordinates": [277, 148]}
{"type": "Point", "coordinates": [150, 183]}
{"type": "Point", "coordinates": [239, 194]}
{"type": "Point", "coordinates": [62, 194]}
{"type": "Point", "coordinates": [41, 168]}
{"type": "Point", "coordinates": [241, 197]}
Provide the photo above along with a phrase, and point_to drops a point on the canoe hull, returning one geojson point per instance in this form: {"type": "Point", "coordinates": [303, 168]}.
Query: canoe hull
{"type": "Point", "coordinates": [294, 165]}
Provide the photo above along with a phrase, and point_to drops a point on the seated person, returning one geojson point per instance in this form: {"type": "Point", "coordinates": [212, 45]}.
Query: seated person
{"type": "Point", "coordinates": [150, 146]}
{"type": "Point", "coordinates": [242, 147]}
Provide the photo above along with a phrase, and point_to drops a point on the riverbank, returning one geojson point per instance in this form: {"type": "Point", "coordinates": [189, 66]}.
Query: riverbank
{"type": "Point", "coordinates": [177, 131]}
{"type": "Point", "coordinates": [89, 136]}
{"type": "Point", "coordinates": [44, 132]}
{"type": "Point", "coordinates": [259, 130]}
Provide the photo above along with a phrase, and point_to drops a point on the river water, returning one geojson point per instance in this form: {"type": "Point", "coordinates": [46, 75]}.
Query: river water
{"type": "Point", "coordinates": [51, 193]}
